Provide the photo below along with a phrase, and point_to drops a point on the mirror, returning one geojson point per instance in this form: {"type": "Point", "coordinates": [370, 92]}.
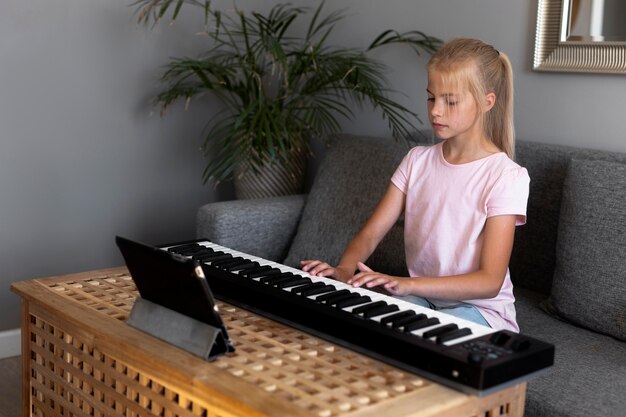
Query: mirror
{"type": "Point", "coordinates": [594, 20]}
{"type": "Point", "coordinates": [581, 36]}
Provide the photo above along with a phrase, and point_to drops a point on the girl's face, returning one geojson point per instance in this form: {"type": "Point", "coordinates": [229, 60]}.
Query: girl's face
{"type": "Point", "coordinates": [452, 113]}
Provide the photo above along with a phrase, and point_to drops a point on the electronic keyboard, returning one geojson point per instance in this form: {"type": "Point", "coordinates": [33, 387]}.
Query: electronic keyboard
{"type": "Point", "coordinates": [455, 352]}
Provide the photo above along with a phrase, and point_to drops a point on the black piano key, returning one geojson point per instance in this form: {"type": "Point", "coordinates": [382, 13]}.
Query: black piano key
{"type": "Point", "coordinates": [333, 301]}
{"type": "Point", "coordinates": [245, 265]}
{"type": "Point", "coordinates": [404, 321]}
{"type": "Point", "coordinates": [379, 311]}
{"type": "Point", "coordinates": [223, 263]}
{"type": "Point", "coordinates": [293, 282]}
{"type": "Point", "coordinates": [362, 299]}
{"type": "Point", "coordinates": [187, 246]}
{"type": "Point", "coordinates": [317, 291]}
{"type": "Point", "coordinates": [389, 320]}
{"type": "Point", "coordinates": [323, 298]}
{"type": "Point", "coordinates": [194, 251]}
{"type": "Point", "coordinates": [242, 272]}
{"type": "Point", "coordinates": [440, 330]}
{"type": "Point", "coordinates": [212, 257]}
{"type": "Point", "coordinates": [363, 309]}
{"type": "Point", "coordinates": [338, 297]}
{"type": "Point", "coordinates": [415, 325]}
{"type": "Point", "coordinates": [261, 271]}
{"type": "Point", "coordinates": [274, 278]}
{"type": "Point", "coordinates": [455, 334]}
{"type": "Point", "coordinates": [200, 250]}
{"type": "Point", "coordinates": [271, 271]}
{"type": "Point", "coordinates": [300, 288]}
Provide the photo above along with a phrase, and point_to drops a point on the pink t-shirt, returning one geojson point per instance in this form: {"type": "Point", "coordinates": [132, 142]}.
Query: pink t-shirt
{"type": "Point", "coordinates": [446, 209]}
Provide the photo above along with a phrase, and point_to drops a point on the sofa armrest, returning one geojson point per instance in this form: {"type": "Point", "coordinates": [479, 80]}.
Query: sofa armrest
{"type": "Point", "coordinates": [262, 227]}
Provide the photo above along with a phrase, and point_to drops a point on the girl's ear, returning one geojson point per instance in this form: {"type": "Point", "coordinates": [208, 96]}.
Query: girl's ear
{"type": "Point", "coordinates": [490, 101]}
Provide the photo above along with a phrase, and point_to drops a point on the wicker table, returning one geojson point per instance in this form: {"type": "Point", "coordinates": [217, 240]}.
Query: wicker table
{"type": "Point", "coordinates": [79, 358]}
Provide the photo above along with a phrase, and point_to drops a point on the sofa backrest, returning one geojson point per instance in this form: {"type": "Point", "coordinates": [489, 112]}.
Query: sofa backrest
{"type": "Point", "coordinates": [350, 180]}
{"type": "Point", "coordinates": [356, 171]}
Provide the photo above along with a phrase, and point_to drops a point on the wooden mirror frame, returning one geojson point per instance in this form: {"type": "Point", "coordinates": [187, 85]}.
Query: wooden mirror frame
{"type": "Point", "coordinates": [553, 53]}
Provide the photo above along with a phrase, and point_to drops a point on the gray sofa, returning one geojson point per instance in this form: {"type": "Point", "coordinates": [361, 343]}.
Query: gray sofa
{"type": "Point", "coordinates": [567, 266]}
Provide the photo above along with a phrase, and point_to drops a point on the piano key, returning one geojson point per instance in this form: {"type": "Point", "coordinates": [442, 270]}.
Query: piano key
{"type": "Point", "coordinates": [242, 272]}
{"type": "Point", "coordinates": [363, 309]}
{"type": "Point", "coordinates": [319, 290]}
{"type": "Point", "coordinates": [299, 289]}
{"type": "Point", "coordinates": [437, 331]}
{"type": "Point", "coordinates": [194, 251]}
{"type": "Point", "coordinates": [391, 319]}
{"type": "Point", "coordinates": [273, 278]}
{"type": "Point", "coordinates": [379, 311]}
{"type": "Point", "coordinates": [407, 320]}
{"type": "Point", "coordinates": [180, 248]}
{"type": "Point", "coordinates": [228, 261]}
{"type": "Point", "coordinates": [330, 295]}
{"type": "Point", "coordinates": [212, 257]}
{"type": "Point", "coordinates": [455, 334]}
{"type": "Point", "coordinates": [261, 271]}
{"type": "Point", "coordinates": [245, 265]}
{"type": "Point", "coordinates": [360, 299]}
{"type": "Point", "coordinates": [336, 296]}
{"type": "Point", "coordinates": [346, 297]}
{"type": "Point", "coordinates": [292, 282]}
{"type": "Point", "coordinates": [420, 324]}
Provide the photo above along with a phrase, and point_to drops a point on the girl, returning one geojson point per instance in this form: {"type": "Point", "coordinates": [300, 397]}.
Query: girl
{"type": "Point", "coordinates": [461, 198]}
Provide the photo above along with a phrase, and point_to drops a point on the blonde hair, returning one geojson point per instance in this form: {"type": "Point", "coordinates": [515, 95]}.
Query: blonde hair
{"type": "Point", "coordinates": [482, 69]}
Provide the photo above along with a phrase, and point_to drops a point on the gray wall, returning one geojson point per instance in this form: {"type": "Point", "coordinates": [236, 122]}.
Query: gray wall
{"type": "Point", "coordinates": [83, 155]}
{"type": "Point", "coordinates": [84, 158]}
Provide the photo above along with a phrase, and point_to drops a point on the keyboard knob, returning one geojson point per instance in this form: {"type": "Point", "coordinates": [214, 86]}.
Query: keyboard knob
{"type": "Point", "coordinates": [500, 338]}
{"type": "Point", "coordinates": [475, 357]}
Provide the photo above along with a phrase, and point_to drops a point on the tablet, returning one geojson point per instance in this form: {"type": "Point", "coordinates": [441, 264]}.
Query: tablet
{"type": "Point", "coordinates": [172, 281]}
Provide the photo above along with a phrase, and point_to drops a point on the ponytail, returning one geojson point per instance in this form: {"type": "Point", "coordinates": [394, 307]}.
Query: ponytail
{"type": "Point", "coordinates": [498, 122]}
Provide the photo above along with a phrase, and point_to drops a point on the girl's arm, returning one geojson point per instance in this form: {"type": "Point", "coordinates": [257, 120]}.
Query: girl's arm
{"type": "Point", "coordinates": [486, 282]}
{"type": "Point", "coordinates": [364, 243]}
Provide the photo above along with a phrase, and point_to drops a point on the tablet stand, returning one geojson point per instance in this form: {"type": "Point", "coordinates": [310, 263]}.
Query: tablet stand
{"type": "Point", "coordinates": [187, 333]}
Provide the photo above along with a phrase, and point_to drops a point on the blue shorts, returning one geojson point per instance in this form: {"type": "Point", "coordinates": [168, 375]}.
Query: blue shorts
{"type": "Point", "coordinates": [463, 310]}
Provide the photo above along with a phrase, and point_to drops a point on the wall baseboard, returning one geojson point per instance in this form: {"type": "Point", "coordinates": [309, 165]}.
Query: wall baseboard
{"type": "Point", "coordinates": [10, 343]}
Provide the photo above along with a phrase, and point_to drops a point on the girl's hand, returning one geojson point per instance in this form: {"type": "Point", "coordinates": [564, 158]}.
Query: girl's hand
{"type": "Point", "coordinates": [322, 269]}
{"type": "Point", "coordinates": [369, 279]}
{"type": "Point", "coordinates": [317, 268]}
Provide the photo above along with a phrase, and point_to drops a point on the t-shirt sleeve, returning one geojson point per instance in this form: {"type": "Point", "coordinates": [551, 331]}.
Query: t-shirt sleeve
{"type": "Point", "coordinates": [509, 195]}
{"type": "Point", "coordinates": [400, 177]}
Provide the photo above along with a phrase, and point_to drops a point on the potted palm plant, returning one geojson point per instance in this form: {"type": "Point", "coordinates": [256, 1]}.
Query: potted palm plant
{"type": "Point", "coordinates": [279, 84]}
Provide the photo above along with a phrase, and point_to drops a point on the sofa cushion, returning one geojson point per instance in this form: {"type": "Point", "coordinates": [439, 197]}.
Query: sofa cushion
{"type": "Point", "coordinates": [589, 285]}
{"type": "Point", "coordinates": [589, 373]}
{"type": "Point", "coordinates": [350, 181]}
{"type": "Point", "coordinates": [532, 260]}
{"type": "Point", "coordinates": [534, 257]}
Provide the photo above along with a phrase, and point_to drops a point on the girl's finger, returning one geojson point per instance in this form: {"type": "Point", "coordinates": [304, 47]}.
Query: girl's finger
{"type": "Point", "coordinates": [363, 267]}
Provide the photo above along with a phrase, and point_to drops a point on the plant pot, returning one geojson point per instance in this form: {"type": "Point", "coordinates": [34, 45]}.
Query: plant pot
{"type": "Point", "coordinates": [271, 179]}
